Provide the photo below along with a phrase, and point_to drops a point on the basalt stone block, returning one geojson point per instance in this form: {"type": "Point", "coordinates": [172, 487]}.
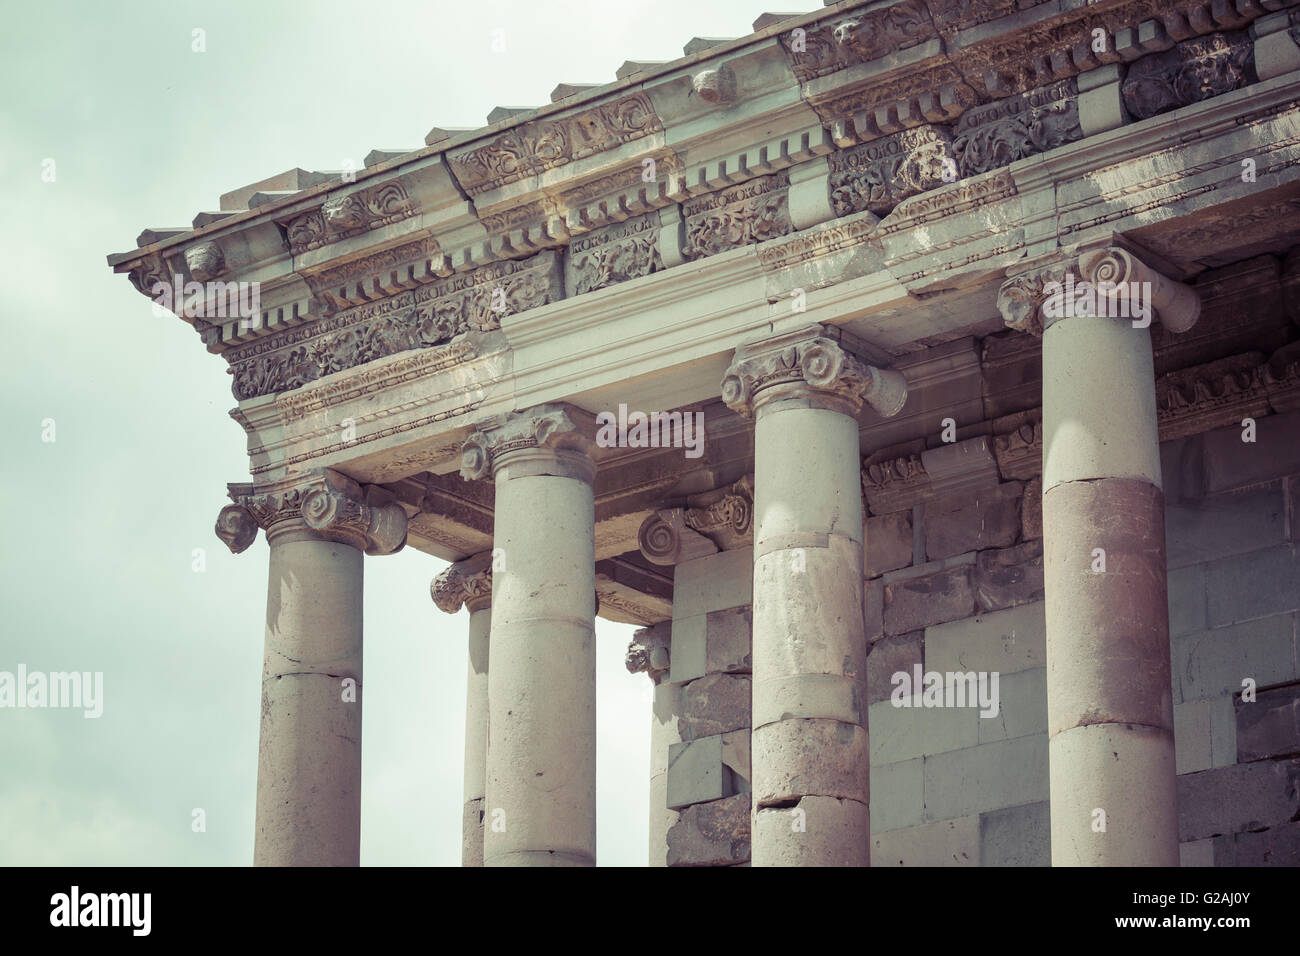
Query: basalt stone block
{"type": "Point", "coordinates": [889, 542]}
{"type": "Point", "coordinates": [716, 704]}
{"type": "Point", "coordinates": [988, 519]}
{"type": "Point", "coordinates": [1276, 846]}
{"type": "Point", "coordinates": [1247, 796]}
{"type": "Point", "coordinates": [1269, 726]}
{"type": "Point", "coordinates": [1009, 577]}
{"type": "Point", "coordinates": [919, 602]}
{"type": "Point", "coordinates": [711, 834]}
{"type": "Point", "coordinates": [889, 656]}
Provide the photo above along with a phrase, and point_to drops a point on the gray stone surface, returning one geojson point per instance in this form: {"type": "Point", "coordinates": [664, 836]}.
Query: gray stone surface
{"type": "Point", "coordinates": [897, 794]}
{"type": "Point", "coordinates": [901, 733]}
{"type": "Point", "coordinates": [1229, 463]}
{"type": "Point", "coordinates": [990, 776]}
{"type": "Point", "coordinates": [711, 834]}
{"type": "Point", "coordinates": [1254, 585]}
{"type": "Point", "coordinates": [1203, 529]}
{"type": "Point", "coordinates": [714, 704]}
{"type": "Point", "coordinates": [714, 582]}
{"type": "Point", "coordinates": [889, 656]}
{"type": "Point", "coordinates": [1005, 641]}
{"type": "Point", "coordinates": [1196, 853]}
{"type": "Point", "coordinates": [1187, 605]}
{"type": "Point", "coordinates": [695, 772]}
{"type": "Point", "coordinates": [1213, 663]}
{"type": "Point", "coordinates": [919, 602]}
{"type": "Point", "coordinates": [1249, 796]}
{"type": "Point", "coordinates": [1192, 736]}
{"type": "Point", "coordinates": [1276, 846]}
{"type": "Point", "coordinates": [1016, 836]}
{"type": "Point", "coordinates": [1270, 726]}
{"type": "Point", "coordinates": [1022, 707]}
{"type": "Point", "coordinates": [889, 542]}
{"type": "Point", "coordinates": [942, 843]}
{"type": "Point", "coordinates": [973, 522]}
{"type": "Point", "coordinates": [715, 642]}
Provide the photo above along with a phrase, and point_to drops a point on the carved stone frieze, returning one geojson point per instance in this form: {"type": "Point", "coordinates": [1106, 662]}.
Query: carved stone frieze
{"type": "Point", "coordinates": [898, 479]}
{"type": "Point", "coordinates": [205, 261]}
{"type": "Point", "coordinates": [341, 217]}
{"type": "Point", "coordinates": [385, 267]}
{"type": "Point", "coordinates": [737, 216]}
{"type": "Point", "coordinates": [1220, 393]}
{"type": "Point", "coordinates": [151, 271]}
{"type": "Point", "coordinates": [613, 254]}
{"type": "Point", "coordinates": [550, 434]}
{"type": "Point", "coordinates": [1194, 70]}
{"type": "Point", "coordinates": [809, 364]}
{"type": "Point", "coordinates": [954, 200]}
{"type": "Point", "coordinates": [996, 135]}
{"type": "Point", "coordinates": [815, 243]}
{"type": "Point", "coordinates": [532, 148]}
{"type": "Point", "coordinates": [1019, 452]}
{"type": "Point", "coordinates": [430, 315]}
{"type": "Point", "coordinates": [878, 107]}
{"type": "Point", "coordinates": [331, 505]}
{"type": "Point", "coordinates": [467, 582]}
{"type": "Point", "coordinates": [649, 651]}
{"type": "Point", "coordinates": [856, 36]}
{"type": "Point", "coordinates": [877, 175]}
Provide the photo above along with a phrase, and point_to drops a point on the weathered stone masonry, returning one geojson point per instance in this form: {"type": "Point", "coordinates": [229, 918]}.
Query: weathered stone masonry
{"type": "Point", "coordinates": [834, 238]}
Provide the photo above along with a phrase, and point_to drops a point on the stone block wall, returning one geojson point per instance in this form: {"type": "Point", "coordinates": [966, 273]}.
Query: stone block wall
{"type": "Point", "coordinates": [708, 775]}
{"type": "Point", "coordinates": [955, 584]}
{"type": "Point", "coordinates": [1234, 601]}
{"type": "Point", "coordinates": [949, 787]}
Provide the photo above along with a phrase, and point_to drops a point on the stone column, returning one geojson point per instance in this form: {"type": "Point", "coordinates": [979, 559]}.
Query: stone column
{"type": "Point", "coordinates": [469, 582]}
{"type": "Point", "coordinates": [309, 756]}
{"type": "Point", "coordinates": [809, 744]}
{"type": "Point", "coordinates": [540, 801]}
{"type": "Point", "coordinates": [1110, 708]}
{"type": "Point", "coordinates": [648, 654]}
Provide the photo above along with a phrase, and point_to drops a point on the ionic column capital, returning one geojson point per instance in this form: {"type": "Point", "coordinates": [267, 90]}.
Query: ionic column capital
{"type": "Point", "coordinates": [1094, 281]}
{"type": "Point", "coordinates": [672, 535]}
{"type": "Point", "coordinates": [325, 505]}
{"type": "Point", "coordinates": [809, 365]}
{"type": "Point", "coordinates": [545, 440]}
{"type": "Point", "coordinates": [467, 582]}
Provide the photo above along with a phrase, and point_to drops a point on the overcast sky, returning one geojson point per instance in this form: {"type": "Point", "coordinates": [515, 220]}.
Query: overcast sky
{"type": "Point", "coordinates": [100, 525]}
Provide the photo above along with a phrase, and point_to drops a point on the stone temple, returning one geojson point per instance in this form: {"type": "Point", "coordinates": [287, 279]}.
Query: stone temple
{"type": "Point", "coordinates": [922, 376]}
